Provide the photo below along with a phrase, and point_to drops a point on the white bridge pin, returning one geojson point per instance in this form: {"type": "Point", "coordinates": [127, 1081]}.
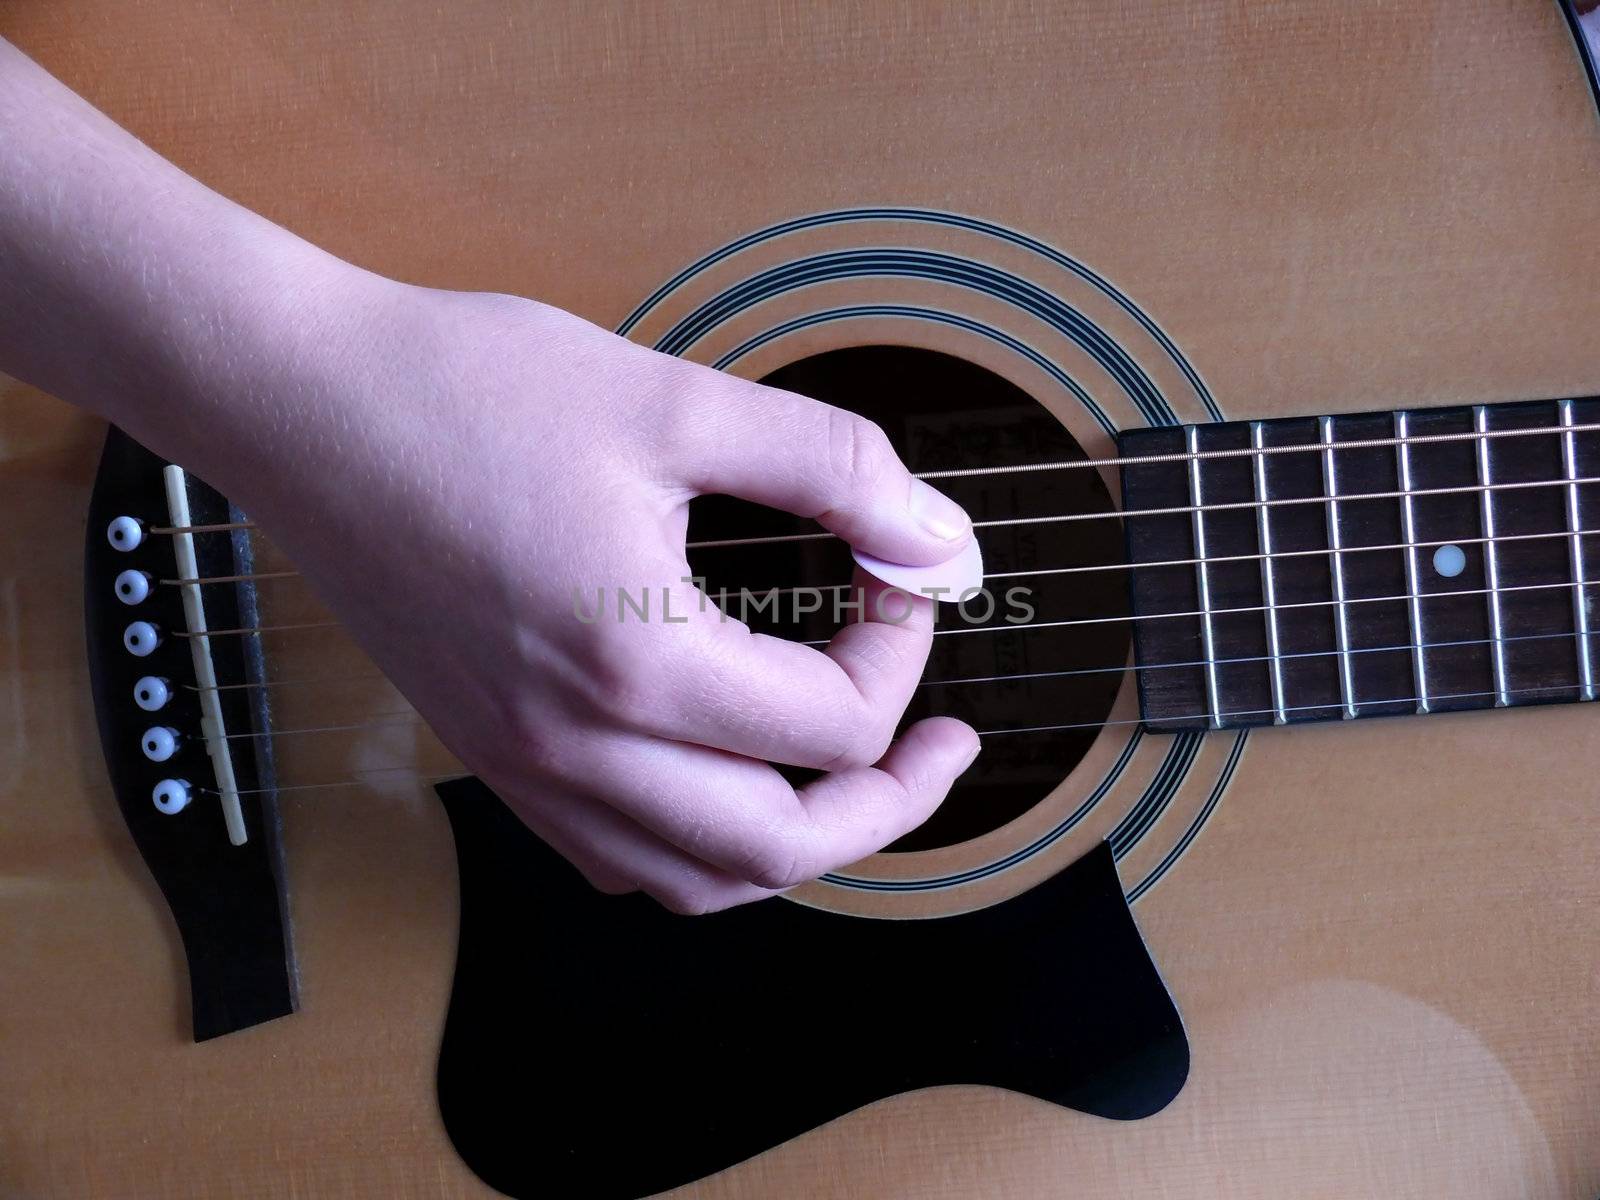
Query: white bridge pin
{"type": "Point", "coordinates": [159, 743]}
{"type": "Point", "coordinates": [151, 693]}
{"type": "Point", "coordinates": [954, 578]}
{"type": "Point", "coordinates": [171, 796]}
{"type": "Point", "coordinates": [132, 587]}
{"type": "Point", "coordinates": [125, 533]}
{"type": "Point", "coordinates": [141, 638]}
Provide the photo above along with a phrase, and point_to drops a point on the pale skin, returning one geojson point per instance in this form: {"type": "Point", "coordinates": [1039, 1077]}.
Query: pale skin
{"type": "Point", "coordinates": [447, 467]}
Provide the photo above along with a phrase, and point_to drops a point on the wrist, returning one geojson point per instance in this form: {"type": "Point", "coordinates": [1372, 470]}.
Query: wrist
{"type": "Point", "coordinates": [242, 372]}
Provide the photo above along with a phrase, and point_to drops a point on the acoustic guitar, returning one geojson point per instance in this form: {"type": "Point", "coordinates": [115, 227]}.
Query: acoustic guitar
{"type": "Point", "coordinates": [1260, 340]}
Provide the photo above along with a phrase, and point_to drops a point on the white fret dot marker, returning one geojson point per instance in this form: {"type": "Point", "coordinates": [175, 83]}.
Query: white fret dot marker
{"type": "Point", "coordinates": [1449, 560]}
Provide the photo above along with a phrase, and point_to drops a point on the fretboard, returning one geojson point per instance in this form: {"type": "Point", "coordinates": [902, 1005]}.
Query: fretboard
{"type": "Point", "coordinates": [1438, 570]}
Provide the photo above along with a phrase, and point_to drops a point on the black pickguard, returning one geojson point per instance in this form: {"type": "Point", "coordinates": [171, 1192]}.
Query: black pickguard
{"type": "Point", "coordinates": [600, 1046]}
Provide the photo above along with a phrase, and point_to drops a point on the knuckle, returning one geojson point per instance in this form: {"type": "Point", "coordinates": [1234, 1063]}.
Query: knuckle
{"type": "Point", "coordinates": [878, 727]}
{"type": "Point", "coordinates": [621, 681]}
{"type": "Point", "coordinates": [859, 451]}
{"type": "Point", "coordinates": [858, 739]}
{"type": "Point", "coordinates": [881, 736]}
{"type": "Point", "coordinates": [775, 865]}
{"type": "Point", "coordinates": [839, 754]}
{"type": "Point", "coordinates": [679, 412]}
{"type": "Point", "coordinates": [531, 747]}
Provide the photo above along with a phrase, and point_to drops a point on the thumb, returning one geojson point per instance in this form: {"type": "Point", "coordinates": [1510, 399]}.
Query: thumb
{"type": "Point", "coordinates": [814, 460]}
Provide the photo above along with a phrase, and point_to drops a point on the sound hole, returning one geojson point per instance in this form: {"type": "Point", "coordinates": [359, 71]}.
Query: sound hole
{"type": "Point", "coordinates": [942, 413]}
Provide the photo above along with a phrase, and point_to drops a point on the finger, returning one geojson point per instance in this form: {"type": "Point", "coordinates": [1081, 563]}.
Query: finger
{"type": "Point", "coordinates": [745, 821]}
{"type": "Point", "coordinates": [884, 649]}
{"type": "Point", "coordinates": [781, 701]}
{"type": "Point", "coordinates": [814, 460]}
{"type": "Point", "coordinates": [730, 812]}
{"type": "Point", "coordinates": [608, 846]}
{"type": "Point", "coordinates": [860, 811]}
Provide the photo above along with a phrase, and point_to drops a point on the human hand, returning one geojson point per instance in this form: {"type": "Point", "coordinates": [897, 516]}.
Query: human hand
{"type": "Point", "coordinates": [450, 469]}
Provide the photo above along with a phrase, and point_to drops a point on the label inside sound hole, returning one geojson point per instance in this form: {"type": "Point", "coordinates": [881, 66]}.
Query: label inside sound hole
{"type": "Point", "coordinates": [1019, 671]}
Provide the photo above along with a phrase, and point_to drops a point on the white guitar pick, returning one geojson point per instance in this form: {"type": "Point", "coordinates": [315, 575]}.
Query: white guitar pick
{"type": "Point", "coordinates": [957, 576]}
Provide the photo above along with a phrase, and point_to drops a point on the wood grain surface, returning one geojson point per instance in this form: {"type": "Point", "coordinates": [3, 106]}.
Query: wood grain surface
{"type": "Point", "coordinates": [1383, 940]}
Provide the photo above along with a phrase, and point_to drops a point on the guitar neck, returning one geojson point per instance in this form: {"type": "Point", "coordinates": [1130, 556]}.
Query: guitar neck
{"type": "Point", "coordinates": [1362, 565]}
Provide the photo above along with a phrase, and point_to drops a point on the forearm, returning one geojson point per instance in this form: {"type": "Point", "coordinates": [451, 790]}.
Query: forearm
{"type": "Point", "coordinates": [133, 290]}
{"type": "Point", "coordinates": [447, 469]}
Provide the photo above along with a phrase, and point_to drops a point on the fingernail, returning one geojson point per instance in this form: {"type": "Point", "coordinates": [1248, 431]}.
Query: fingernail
{"type": "Point", "coordinates": [937, 513]}
{"type": "Point", "coordinates": [971, 758]}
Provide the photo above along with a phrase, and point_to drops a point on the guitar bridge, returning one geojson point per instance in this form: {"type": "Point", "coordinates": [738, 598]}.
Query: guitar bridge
{"type": "Point", "coordinates": [193, 787]}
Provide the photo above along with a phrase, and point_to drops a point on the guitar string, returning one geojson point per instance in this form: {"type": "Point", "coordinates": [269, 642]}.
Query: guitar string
{"type": "Point", "coordinates": [412, 717]}
{"type": "Point", "coordinates": [1261, 712]}
{"type": "Point", "coordinates": [1116, 514]}
{"type": "Point", "coordinates": [1180, 510]}
{"type": "Point", "coordinates": [1404, 647]}
{"type": "Point", "coordinates": [1253, 452]}
{"type": "Point", "coordinates": [1117, 669]}
{"type": "Point", "coordinates": [355, 781]}
{"type": "Point", "coordinates": [1208, 717]}
{"type": "Point", "coordinates": [255, 629]}
{"type": "Point", "coordinates": [1091, 568]}
{"type": "Point", "coordinates": [248, 577]}
{"type": "Point", "coordinates": [1024, 626]}
{"type": "Point", "coordinates": [1254, 608]}
{"type": "Point", "coordinates": [307, 681]}
{"type": "Point", "coordinates": [1144, 460]}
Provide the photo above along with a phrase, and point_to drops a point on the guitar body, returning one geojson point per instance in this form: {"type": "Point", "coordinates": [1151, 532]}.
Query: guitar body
{"type": "Point", "coordinates": [1381, 936]}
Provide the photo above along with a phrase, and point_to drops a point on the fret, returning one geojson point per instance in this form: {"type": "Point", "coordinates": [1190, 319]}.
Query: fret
{"type": "Point", "coordinates": [1269, 597]}
{"type": "Point", "coordinates": [1201, 578]}
{"type": "Point", "coordinates": [1236, 651]}
{"type": "Point", "coordinates": [1531, 580]}
{"type": "Point", "coordinates": [1580, 603]}
{"type": "Point", "coordinates": [1378, 634]}
{"type": "Point", "coordinates": [1174, 696]}
{"type": "Point", "coordinates": [1408, 527]}
{"type": "Point", "coordinates": [1308, 667]}
{"type": "Point", "coordinates": [1491, 559]}
{"type": "Point", "coordinates": [1446, 529]}
{"type": "Point", "coordinates": [1341, 625]}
